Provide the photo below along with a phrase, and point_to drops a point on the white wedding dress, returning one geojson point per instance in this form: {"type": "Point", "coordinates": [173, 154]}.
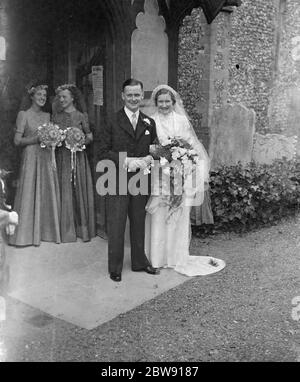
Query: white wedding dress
{"type": "Point", "coordinates": [167, 241]}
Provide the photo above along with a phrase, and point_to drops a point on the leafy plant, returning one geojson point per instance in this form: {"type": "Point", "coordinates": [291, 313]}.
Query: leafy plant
{"type": "Point", "coordinates": [246, 197]}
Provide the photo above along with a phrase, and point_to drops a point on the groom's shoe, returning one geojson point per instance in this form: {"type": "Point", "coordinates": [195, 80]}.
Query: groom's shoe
{"type": "Point", "coordinates": [149, 269]}
{"type": "Point", "coordinates": [115, 276]}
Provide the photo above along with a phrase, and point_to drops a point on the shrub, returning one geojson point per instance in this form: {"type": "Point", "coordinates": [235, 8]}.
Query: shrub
{"type": "Point", "coordinates": [246, 197]}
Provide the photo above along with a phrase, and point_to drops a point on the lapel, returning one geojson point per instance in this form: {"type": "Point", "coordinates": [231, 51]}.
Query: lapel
{"type": "Point", "coordinates": [125, 124]}
{"type": "Point", "coordinates": [141, 126]}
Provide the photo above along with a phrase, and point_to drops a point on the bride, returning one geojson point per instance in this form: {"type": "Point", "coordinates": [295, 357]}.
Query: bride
{"type": "Point", "coordinates": [168, 233]}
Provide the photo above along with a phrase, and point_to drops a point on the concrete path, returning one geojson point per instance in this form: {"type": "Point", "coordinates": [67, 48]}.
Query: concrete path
{"type": "Point", "coordinates": [71, 282]}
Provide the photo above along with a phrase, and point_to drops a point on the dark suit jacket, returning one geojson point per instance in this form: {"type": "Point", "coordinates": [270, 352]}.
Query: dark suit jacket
{"type": "Point", "coordinates": [118, 136]}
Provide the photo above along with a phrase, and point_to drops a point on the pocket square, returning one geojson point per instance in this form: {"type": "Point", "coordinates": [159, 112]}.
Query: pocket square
{"type": "Point", "coordinates": [147, 132]}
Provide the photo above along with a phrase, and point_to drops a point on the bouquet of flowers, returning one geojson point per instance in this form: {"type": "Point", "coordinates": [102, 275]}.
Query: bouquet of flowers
{"type": "Point", "coordinates": [51, 136]}
{"type": "Point", "coordinates": [74, 141]}
{"type": "Point", "coordinates": [177, 159]}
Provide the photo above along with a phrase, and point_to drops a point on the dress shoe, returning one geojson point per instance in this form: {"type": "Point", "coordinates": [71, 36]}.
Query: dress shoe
{"type": "Point", "coordinates": [115, 276]}
{"type": "Point", "coordinates": [149, 269]}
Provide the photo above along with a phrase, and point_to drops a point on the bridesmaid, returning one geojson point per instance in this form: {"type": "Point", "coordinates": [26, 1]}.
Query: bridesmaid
{"type": "Point", "coordinates": [77, 198]}
{"type": "Point", "coordinates": [37, 200]}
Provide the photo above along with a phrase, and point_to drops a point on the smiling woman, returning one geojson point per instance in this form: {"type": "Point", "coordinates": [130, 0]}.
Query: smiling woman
{"type": "Point", "coordinates": [37, 197]}
{"type": "Point", "coordinates": [74, 173]}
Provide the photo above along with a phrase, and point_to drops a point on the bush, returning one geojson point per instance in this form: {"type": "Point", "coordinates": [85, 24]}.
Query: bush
{"type": "Point", "coordinates": [246, 197]}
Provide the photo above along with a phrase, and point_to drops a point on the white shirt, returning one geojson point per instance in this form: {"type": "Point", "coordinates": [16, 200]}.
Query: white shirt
{"type": "Point", "coordinates": [129, 114]}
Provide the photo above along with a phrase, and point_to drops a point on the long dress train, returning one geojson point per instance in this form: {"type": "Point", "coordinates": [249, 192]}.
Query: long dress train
{"type": "Point", "coordinates": [168, 237]}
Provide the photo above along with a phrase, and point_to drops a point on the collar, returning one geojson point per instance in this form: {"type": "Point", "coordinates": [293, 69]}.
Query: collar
{"type": "Point", "coordinates": [129, 113]}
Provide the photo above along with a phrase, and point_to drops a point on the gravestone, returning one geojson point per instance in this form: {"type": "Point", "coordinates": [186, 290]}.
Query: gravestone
{"type": "Point", "coordinates": [231, 135]}
{"type": "Point", "coordinates": [293, 115]}
{"type": "Point", "coordinates": [269, 147]}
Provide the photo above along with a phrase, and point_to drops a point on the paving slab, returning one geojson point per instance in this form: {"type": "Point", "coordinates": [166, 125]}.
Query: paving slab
{"type": "Point", "coordinates": [71, 282]}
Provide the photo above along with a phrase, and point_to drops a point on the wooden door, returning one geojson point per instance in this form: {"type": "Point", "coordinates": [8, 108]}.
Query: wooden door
{"type": "Point", "coordinates": [93, 57]}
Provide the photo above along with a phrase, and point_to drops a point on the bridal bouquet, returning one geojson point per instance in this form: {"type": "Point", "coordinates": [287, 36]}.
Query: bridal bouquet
{"type": "Point", "coordinates": [51, 136]}
{"type": "Point", "coordinates": [177, 159]}
{"type": "Point", "coordinates": [74, 141]}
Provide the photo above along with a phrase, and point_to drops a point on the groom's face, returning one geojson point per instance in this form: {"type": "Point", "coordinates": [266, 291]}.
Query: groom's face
{"type": "Point", "coordinates": [132, 97]}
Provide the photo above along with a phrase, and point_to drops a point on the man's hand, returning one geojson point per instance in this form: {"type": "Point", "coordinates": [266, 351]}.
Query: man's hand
{"type": "Point", "coordinates": [132, 164]}
{"type": "Point", "coordinates": [148, 159]}
{"type": "Point", "coordinates": [145, 162]}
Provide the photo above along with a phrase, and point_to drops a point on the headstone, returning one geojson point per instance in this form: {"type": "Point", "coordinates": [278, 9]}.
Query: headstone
{"type": "Point", "coordinates": [231, 135]}
{"type": "Point", "coordinates": [293, 115]}
{"type": "Point", "coordinates": [269, 147]}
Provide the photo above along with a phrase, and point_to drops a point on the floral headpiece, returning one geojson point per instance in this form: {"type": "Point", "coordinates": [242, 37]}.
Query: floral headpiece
{"type": "Point", "coordinates": [34, 89]}
{"type": "Point", "coordinates": [65, 87]}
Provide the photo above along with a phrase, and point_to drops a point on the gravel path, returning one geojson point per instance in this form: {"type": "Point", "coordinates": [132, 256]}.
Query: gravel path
{"type": "Point", "coordinates": [243, 313]}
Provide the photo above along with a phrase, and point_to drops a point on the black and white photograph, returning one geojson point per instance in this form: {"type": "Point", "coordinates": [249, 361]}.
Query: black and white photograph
{"type": "Point", "coordinates": [149, 184]}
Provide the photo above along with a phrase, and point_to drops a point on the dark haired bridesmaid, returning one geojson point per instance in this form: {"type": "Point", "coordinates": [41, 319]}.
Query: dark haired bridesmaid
{"type": "Point", "coordinates": [77, 197]}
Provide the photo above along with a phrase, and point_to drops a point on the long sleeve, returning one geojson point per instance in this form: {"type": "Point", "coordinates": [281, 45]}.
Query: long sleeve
{"type": "Point", "coordinates": [154, 134]}
{"type": "Point", "coordinates": [105, 146]}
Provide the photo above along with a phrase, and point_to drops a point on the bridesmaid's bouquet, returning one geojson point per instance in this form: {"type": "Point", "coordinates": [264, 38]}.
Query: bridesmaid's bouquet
{"type": "Point", "coordinates": [51, 136]}
{"type": "Point", "coordinates": [74, 141]}
{"type": "Point", "coordinates": [177, 159]}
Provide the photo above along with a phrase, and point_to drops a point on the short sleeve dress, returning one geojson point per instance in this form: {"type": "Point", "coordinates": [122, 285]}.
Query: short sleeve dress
{"type": "Point", "coordinates": [77, 197]}
{"type": "Point", "coordinates": [37, 198]}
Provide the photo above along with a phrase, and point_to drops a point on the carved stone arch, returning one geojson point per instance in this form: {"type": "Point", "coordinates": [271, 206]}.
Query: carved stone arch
{"type": "Point", "coordinates": [149, 47]}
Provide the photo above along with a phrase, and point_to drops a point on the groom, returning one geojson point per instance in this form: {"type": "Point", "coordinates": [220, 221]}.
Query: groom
{"type": "Point", "coordinates": [129, 132]}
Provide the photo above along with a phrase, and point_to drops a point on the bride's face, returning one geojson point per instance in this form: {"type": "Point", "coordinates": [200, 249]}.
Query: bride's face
{"type": "Point", "coordinates": [164, 104]}
{"type": "Point", "coordinates": [39, 97]}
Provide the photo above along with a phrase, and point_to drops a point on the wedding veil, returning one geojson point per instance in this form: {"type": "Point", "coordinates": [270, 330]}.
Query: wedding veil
{"type": "Point", "coordinates": [204, 163]}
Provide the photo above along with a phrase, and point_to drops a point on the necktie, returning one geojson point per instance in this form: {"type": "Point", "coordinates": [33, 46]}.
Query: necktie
{"type": "Point", "coordinates": [134, 121]}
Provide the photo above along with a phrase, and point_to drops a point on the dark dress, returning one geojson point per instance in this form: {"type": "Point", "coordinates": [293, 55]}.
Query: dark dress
{"type": "Point", "coordinates": [77, 197]}
{"type": "Point", "coordinates": [37, 198]}
{"type": "Point", "coordinates": [202, 214]}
